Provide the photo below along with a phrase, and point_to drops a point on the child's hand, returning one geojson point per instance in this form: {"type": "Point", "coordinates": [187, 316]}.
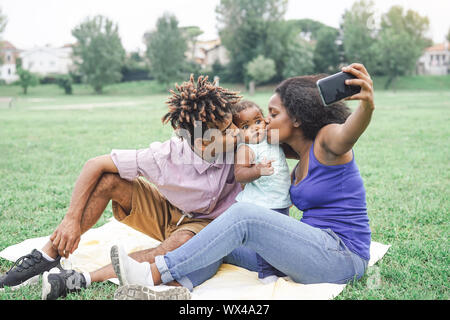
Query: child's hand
{"type": "Point", "coordinates": [265, 167]}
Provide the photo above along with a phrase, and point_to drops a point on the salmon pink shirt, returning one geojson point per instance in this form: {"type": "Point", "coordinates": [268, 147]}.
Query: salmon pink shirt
{"type": "Point", "coordinates": [187, 181]}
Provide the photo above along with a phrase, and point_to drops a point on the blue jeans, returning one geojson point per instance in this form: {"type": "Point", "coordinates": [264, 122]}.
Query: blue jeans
{"type": "Point", "coordinates": [304, 253]}
{"type": "Point", "coordinates": [264, 268]}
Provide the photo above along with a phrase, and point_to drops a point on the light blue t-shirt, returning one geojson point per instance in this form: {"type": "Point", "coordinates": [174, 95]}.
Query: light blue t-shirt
{"type": "Point", "coordinates": [271, 192]}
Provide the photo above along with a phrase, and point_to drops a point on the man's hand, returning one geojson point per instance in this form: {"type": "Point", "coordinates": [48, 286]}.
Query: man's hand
{"type": "Point", "coordinates": [66, 237]}
{"type": "Point", "coordinates": [265, 167]}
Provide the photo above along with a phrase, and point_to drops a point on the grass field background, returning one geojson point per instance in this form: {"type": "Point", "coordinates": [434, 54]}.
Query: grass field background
{"type": "Point", "coordinates": [46, 137]}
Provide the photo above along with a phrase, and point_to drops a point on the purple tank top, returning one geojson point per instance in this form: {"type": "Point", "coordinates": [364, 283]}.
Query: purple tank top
{"type": "Point", "coordinates": [334, 197]}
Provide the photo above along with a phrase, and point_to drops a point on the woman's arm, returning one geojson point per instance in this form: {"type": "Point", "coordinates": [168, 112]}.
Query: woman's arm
{"type": "Point", "coordinates": [340, 138]}
{"type": "Point", "coordinates": [245, 170]}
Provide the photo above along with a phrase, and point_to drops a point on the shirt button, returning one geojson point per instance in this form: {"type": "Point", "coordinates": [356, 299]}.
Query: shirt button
{"type": "Point", "coordinates": [214, 198]}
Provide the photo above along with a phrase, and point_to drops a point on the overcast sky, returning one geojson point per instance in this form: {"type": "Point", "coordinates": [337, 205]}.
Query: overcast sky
{"type": "Point", "coordinates": [40, 22]}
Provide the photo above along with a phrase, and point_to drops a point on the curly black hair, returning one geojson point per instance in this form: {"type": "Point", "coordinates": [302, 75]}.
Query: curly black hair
{"type": "Point", "coordinates": [301, 98]}
{"type": "Point", "coordinates": [243, 105]}
{"type": "Point", "coordinates": [197, 103]}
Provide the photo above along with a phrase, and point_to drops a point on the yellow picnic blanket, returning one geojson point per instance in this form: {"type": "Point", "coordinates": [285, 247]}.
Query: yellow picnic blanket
{"type": "Point", "coordinates": [230, 282]}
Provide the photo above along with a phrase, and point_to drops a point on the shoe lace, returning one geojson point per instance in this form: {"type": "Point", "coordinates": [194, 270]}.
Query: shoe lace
{"type": "Point", "coordinates": [25, 262]}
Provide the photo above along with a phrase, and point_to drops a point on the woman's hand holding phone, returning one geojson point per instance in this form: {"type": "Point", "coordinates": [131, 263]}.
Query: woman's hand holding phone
{"type": "Point", "coordinates": [364, 81]}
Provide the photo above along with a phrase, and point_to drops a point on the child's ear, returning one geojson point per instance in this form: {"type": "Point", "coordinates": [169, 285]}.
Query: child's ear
{"type": "Point", "coordinates": [296, 123]}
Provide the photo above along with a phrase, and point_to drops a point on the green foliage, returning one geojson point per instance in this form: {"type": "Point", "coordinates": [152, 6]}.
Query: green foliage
{"type": "Point", "coordinates": [359, 35]}
{"type": "Point", "coordinates": [249, 28]}
{"type": "Point", "coordinates": [401, 157]}
{"type": "Point", "coordinates": [135, 68]}
{"type": "Point", "coordinates": [191, 33]}
{"type": "Point", "coordinates": [326, 52]}
{"type": "Point", "coordinates": [261, 69]}
{"type": "Point", "coordinates": [298, 59]}
{"type": "Point", "coordinates": [166, 47]}
{"type": "Point", "coordinates": [65, 82]}
{"type": "Point", "coordinates": [99, 54]}
{"type": "Point", "coordinates": [3, 22]}
{"type": "Point", "coordinates": [309, 28]}
{"type": "Point", "coordinates": [27, 79]}
{"type": "Point", "coordinates": [401, 42]}
{"type": "Point", "coordinates": [448, 35]}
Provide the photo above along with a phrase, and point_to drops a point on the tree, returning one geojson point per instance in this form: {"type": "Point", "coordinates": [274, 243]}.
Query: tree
{"type": "Point", "coordinates": [135, 68]}
{"type": "Point", "coordinates": [309, 28]}
{"type": "Point", "coordinates": [3, 22]}
{"type": "Point", "coordinates": [401, 42]}
{"type": "Point", "coordinates": [26, 79]}
{"type": "Point", "coordinates": [448, 35]}
{"type": "Point", "coordinates": [299, 59]}
{"type": "Point", "coordinates": [359, 35]}
{"type": "Point", "coordinates": [166, 47]}
{"type": "Point", "coordinates": [99, 54]}
{"type": "Point", "coordinates": [326, 52]}
{"type": "Point", "coordinates": [191, 33]}
{"type": "Point", "coordinates": [247, 29]}
{"type": "Point", "coordinates": [261, 69]}
{"type": "Point", "coordinates": [65, 82]}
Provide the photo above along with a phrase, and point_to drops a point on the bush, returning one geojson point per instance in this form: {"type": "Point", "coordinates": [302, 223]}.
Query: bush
{"type": "Point", "coordinates": [261, 69]}
{"type": "Point", "coordinates": [65, 82]}
{"type": "Point", "coordinates": [27, 79]}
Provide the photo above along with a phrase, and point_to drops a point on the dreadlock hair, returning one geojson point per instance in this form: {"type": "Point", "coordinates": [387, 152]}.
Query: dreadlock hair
{"type": "Point", "coordinates": [197, 103]}
{"type": "Point", "coordinates": [301, 98]}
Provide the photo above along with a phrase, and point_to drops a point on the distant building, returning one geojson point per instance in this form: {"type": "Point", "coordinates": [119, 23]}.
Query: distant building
{"type": "Point", "coordinates": [435, 60]}
{"type": "Point", "coordinates": [47, 60]}
{"type": "Point", "coordinates": [205, 53]}
{"type": "Point", "coordinates": [8, 53]}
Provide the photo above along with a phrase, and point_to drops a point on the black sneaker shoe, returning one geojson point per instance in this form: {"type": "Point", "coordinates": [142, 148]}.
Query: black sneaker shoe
{"type": "Point", "coordinates": [55, 285]}
{"type": "Point", "coordinates": [26, 270]}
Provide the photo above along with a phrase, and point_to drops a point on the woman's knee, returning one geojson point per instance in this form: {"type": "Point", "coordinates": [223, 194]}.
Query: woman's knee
{"type": "Point", "coordinates": [241, 211]}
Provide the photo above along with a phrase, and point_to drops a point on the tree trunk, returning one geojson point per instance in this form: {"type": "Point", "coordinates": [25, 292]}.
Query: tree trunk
{"type": "Point", "coordinates": [389, 81]}
{"type": "Point", "coordinates": [252, 88]}
{"type": "Point", "coordinates": [98, 89]}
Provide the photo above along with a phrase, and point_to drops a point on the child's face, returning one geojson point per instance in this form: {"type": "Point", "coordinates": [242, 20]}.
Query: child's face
{"type": "Point", "coordinates": [252, 125]}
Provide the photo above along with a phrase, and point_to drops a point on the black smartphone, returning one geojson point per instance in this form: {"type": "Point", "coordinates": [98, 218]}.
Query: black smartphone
{"type": "Point", "coordinates": [333, 88]}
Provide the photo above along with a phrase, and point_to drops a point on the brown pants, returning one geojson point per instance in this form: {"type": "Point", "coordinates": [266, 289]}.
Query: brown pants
{"type": "Point", "coordinates": [153, 214]}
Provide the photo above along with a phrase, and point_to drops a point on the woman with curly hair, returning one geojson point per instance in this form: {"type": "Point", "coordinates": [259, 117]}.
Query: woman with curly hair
{"type": "Point", "coordinates": [331, 242]}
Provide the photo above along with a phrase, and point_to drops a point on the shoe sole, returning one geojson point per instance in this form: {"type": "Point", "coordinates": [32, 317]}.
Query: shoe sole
{"type": "Point", "coordinates": [138, 292]}
{"type": "Point", "coordinates": [117, 265]}
{"type": "Point", "coordinates": [46, 286]}
{"type": "Point", "coordinates": [32, 281]}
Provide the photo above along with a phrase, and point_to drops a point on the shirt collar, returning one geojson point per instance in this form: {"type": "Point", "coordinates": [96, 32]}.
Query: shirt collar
{"type": "Point", "coordinates": [199, 163]}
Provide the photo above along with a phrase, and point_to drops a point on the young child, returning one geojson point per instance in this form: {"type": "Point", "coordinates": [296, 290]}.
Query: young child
{"type": "Point", "coordinates": [262, 167]}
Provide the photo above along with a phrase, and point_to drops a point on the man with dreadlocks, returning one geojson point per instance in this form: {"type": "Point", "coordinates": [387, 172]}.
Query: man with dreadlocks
{"type": "Point", "coordinates": [190, 185]}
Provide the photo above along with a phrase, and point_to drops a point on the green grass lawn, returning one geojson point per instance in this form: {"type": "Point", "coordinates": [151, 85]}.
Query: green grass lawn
{"type": "Point", "coordinates": [403, 157]}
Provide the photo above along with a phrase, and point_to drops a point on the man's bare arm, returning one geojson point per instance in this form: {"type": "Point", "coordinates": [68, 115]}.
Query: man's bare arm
{"type": "Point", "coordinates": [67, 235]}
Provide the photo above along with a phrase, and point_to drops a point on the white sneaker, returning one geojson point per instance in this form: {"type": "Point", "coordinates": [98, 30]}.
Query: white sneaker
{"type": "Point", "coordinates": [162, 292]}
{"type": "Point", "coordinates": [269, 279]}
{"type": "Point", "coordinates": [128, 270]}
